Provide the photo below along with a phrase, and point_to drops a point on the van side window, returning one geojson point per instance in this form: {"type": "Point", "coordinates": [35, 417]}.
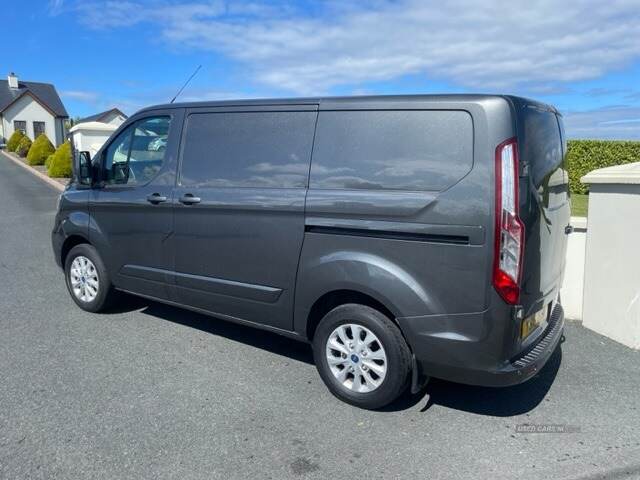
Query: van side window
{"type": "Point", "coordinates": [248, 149]}
{"type": "Point", "coordinates": [137, 154]}
{"type": "Point", "coordinates": [401, 150]}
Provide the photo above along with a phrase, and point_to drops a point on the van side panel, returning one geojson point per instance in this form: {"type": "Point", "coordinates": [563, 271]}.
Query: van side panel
{"type": "Point", "coordinates": [418, 240]}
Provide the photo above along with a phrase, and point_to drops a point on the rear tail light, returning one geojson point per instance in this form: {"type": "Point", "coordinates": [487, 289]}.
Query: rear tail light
{"type": "Point", "coordinates": [509, 233]}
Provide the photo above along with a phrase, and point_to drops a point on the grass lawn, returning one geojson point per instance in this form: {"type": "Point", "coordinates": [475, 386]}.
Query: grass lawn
{"type": "Point", "coordinates": [579, 205]}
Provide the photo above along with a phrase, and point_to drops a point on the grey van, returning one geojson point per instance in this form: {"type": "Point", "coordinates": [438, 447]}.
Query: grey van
{"type": "Point", "coordinates": [404, 237]}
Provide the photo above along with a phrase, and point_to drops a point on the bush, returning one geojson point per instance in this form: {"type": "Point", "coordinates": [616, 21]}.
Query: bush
{"type": "Point", "coordinates": [47, 162]}
{"type": "Point", "coordinates": [40, 150]}
{"type": "Point", "coordinates": [584, 156]}
{"type": "Point", "coordinates": [14, 140]}
{"type": "Point", "coordinates": [23, 147]}
{"type": "Point", "coordinates": [60, 161]}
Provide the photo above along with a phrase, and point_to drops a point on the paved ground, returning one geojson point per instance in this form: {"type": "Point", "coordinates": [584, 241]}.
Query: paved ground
{"type": "Point", "coordinates": [150, 391]}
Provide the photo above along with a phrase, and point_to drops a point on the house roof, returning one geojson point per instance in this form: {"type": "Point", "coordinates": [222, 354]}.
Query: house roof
{"type": "Point", "coordinates": [98, 117]}
{"type": "Point", "coordinates": [45, 93]}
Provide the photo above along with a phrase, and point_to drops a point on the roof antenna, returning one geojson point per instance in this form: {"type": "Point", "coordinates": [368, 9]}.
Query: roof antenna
{"type": "Point", "coordinates": [185, 84]}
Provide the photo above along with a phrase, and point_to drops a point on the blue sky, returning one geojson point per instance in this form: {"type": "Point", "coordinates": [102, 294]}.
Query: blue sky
{"type": "Point", "coordinates": [583, 57]}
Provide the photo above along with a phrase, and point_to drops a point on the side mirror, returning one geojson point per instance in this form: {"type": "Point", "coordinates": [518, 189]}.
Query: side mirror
{"type": "Point", "coordinates": [83, 170]}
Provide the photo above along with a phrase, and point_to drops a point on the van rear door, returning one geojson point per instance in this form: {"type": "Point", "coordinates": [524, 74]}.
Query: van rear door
{"type": "Point", "coordinates": [544, 203]}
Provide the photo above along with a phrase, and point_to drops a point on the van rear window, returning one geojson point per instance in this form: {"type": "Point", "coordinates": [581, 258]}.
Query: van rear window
{"type": "Point", "coordinates": [540, 143]}
{"type": "Point", "coordinates": [401, 150]}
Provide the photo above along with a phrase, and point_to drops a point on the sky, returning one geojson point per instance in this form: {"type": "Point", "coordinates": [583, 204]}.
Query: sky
{"type": "Point", "coordinates": [581, 56]}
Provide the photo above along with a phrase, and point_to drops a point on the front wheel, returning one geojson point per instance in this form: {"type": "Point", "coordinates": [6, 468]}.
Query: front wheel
{"type": "Point", "coordinates": [361, 356]}
{"type": "Point", "coordinates": [87, 279]}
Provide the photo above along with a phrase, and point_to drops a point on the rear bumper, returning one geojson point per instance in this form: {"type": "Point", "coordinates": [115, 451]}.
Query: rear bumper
{"type": "Point", "coordinates": [477, 362]}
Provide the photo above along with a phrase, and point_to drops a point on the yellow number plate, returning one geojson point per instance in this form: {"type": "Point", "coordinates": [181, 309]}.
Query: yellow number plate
{"type": "Point", "coordinates": [532, 322]}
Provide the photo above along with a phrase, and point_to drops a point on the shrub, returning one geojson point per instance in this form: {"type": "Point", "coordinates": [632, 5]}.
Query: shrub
{"type": "Point", "coordinates": [47, 162]}
{"type": "Point", "coordinates": [584, 156]}
{"type": "Point", "coordinates": [14, 140]}
{"type": "Point", "coordinates": [40, 150]}
{"type": "Point", "coordinates": [60, 161]}
{"type": "Point", "coordinates": [23, 147]}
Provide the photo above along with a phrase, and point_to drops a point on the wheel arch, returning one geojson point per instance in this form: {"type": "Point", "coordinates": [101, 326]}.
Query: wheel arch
{"type": "Point", "coordinates": [70, 242]}
{"type": "Point", "coordinates": [342, 276]}
{"type": "Point", "coordinates": [335, 298]}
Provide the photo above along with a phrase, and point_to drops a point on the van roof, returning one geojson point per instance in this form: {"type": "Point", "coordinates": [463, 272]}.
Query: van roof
{"type": "Point", "coordinates": [355, 100]}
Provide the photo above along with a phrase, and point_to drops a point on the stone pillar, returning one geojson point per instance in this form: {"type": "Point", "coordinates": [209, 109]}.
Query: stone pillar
{"type": "Point", "coordinates": [611, 304]}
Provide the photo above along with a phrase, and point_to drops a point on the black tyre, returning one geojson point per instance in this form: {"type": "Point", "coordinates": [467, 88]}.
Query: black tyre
{"type": "Point", "coordinates": [87, 279]}
{"type": "Point", "coordinates": [362, 356]}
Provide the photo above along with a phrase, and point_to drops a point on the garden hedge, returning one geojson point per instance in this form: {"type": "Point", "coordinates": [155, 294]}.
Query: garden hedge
{"type": "Point", "coordinates": [584, 156]}
{"type": "Point", "coordinates": [60, 162]}
{"type": "Point", "coordinates": [23, 147]}
{"type": "Point", "coordinates": [14, 140]}
{"type": "Point", "coordinates": [47, 162]}
{"type": "Point", "coordinates": [40, 150]}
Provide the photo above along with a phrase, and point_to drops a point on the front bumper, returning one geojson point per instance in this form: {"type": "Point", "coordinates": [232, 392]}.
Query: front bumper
{"type": "Point", "coordinates": [57, 239]}
{"type": "Point", "coordinates": [475, 362]}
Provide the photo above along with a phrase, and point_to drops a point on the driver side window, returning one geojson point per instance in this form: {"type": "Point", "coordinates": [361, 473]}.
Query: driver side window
{"type": "Point", "coordinates": [137, 154]}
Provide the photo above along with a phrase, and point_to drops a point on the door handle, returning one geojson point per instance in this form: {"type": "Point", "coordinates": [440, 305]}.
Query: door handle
{"type": "Point", "coordinates": [156, 198]}
{"type": "Point", "coordinates": [189, 199]}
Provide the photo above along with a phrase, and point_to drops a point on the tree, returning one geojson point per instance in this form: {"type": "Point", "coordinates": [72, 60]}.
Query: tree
{"type": "Point", "coordinates": [14, 140]}
{"type": "Point", "coordinates": [23, 147]}
{"type": "Point", "coordinates": [40, 150]}
{"type": "Point", "coordinates": [60, 161]}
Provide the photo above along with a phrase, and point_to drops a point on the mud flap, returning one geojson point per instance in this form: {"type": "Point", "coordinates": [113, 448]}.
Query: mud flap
{"type": "Point", "coordinates": [418, 381]}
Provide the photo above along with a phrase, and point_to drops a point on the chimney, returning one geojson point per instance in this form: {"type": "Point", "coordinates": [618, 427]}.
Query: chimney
{"type": "Point", "coordinates": [13, 80]}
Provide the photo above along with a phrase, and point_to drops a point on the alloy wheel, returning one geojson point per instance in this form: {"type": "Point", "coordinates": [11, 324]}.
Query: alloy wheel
{"type": "Point", "coordinates": [356, 358]}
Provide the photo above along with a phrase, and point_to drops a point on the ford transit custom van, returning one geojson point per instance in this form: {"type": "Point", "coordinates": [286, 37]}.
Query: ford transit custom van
{"type": "Point", "coordinates": [404, 237]}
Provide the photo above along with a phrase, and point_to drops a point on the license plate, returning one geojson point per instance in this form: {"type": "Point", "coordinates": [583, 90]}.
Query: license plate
{"type": "Point", "coordinates": [532, 322]}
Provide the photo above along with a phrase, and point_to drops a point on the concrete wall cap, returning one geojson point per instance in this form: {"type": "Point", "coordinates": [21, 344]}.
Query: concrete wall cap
{"type": "Point", "coordinates": [578, 222]}
{"type": "Point", "coordinates": [628, 173]}
{"type": "Point", "coordinates": [99, 126]}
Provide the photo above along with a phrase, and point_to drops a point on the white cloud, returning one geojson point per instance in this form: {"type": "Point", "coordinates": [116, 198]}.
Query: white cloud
{"type": "Point", "coordinates": [81, 95]}
{"type": "Point", "coordinates": [131, 102]}
{"type": "Point", "coordinates": [500, 45]}
{"type": "Point", "coordinates": [55, 6]}
{"type": "Point", "coordinates": [614, 122]}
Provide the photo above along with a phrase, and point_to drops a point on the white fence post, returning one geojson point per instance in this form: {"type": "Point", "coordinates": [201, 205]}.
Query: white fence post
{"type": "Point", "coordinates": [572, 286]}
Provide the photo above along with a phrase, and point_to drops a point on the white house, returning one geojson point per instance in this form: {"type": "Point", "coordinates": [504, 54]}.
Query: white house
{"type": "Point", "coordinates": [92, 132]}
{"type": "Point", "coordinates": [32, 107]}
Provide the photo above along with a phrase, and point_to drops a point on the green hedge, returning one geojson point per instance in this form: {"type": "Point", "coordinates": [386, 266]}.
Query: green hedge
{"type": "Point", "coordinates": [14, 140]}
{"type": "Point", "coordinates": [584, 156]}
{"type": "Point", "coordinates": [47, 162]}
{"type": "Point", "coordinates": [60, 162]}
{"type": "Point", "coordinates": [23, 147]}
{"type": "Point", "coordinates": [40, 150]}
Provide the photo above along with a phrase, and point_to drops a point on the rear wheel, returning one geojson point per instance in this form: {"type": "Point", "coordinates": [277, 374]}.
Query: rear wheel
{"type": "Point", "coordinates": [361, 356]}
{"type": "Point", "coordinates": [87, 279]}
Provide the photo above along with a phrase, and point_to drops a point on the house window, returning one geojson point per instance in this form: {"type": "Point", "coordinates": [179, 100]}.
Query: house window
{"type": "Point", "coordinates": [20, 125]}
{"type": "Point", "coordinates": [38, 128]}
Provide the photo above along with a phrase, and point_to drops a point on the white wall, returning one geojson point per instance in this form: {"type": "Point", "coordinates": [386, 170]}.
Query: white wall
{"type": "Point", "coordinates": [114, 118]}
{"type": "Point", "coordinates": [90, 140]}
{"type": "Point", "coordinates": [612, 267]}
{"type": "Point", "coordinates": [27, 109]}
{"type": "Point", "coordinates": [573, 284]}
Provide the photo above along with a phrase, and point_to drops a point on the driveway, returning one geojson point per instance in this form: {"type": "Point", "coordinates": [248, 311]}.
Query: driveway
{"type": "Point", "coordinates": [151, 391]}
